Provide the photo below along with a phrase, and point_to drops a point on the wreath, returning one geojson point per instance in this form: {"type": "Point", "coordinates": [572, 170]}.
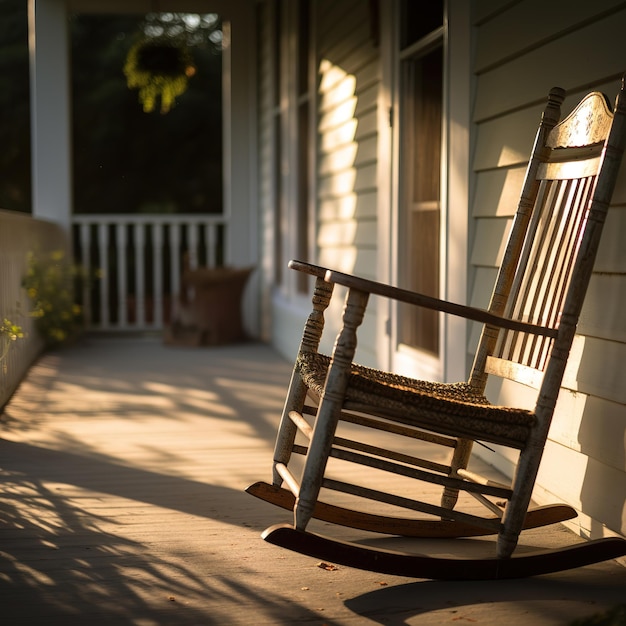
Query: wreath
{"type": "Point", "coordinates": [160, 69]}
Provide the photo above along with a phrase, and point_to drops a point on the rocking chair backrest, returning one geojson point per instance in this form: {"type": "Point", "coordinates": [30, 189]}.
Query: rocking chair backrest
{"type": "Point", "coordinates": [553, 242]}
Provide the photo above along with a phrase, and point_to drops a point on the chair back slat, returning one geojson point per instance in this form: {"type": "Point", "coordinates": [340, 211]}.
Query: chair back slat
{"type": "Point", "coordinates": [545, 268]}
{"type": "Point", "coordinates": [541, 262]}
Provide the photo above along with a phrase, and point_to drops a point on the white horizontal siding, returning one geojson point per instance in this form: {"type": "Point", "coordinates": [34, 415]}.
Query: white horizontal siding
{"type": "Point", "coordinates": [589, 485]}
{"type": "Point", "coordinates": [518, 59]}
{"type": "Point", "coordinates": [530, 24]}
{"type": "Point", "coordinates": [596, 367]}
{"type": "Point", "coordinates": [497, 191]}
{"type": "Point", "coordinates": [357, 206]}
{"type": "Point", "coordinates": [347, 137]}
{"type": "Point", "coordinates": [611, 257]}
{"type": "Point", "coordinates": [345, 181]}
{"type": "Point", "coordinates": [491, 233]}
{"type": "Point", "coordinates": [484, 10]}
{"type": "Point", "coordinates": [603, 317]}
{"type": "Point", "coordinates": [577, 59]}
{"type": "Point", "coordinates": [507, 140]}
{"type": "Point", "coordinates": [571, 429]}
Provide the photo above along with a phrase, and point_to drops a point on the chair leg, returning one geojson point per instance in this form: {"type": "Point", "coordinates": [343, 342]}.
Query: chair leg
{"type": "Point", "coordinates": [515, 512]}
{"type": "Point", "coordinates": [315, 464]}
{"type": "Point", "coordinates": [296, 395]}
{"type": "Point", "coordinates": [460, 460]}
{"type": "Point", "coordinates": [512, 524]}
{"type": "Point", "coordinates": [330, 407]}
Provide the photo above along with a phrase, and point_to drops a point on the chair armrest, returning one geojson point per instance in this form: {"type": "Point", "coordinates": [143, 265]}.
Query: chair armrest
{"type": "Point", "coordinates": [308, 268]}
{"type": "Point", "coordinates": [419, 299]}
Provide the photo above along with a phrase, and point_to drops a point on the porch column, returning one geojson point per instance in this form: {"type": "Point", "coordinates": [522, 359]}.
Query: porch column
{"type": "Point", "coordinates": [239, 162]}
{"type": "Point", "coordinates": [50, 111]}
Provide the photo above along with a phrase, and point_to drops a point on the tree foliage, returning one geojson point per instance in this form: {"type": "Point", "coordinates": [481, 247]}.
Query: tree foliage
{"type": "Point", "coordinates": [124, 160]}
{"type": "Point", "coordinates": [14, 107]}
{"type": "Point", "coordinates": [127, 160]}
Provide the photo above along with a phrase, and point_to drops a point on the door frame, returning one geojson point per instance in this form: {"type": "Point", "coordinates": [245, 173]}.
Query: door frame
{"type": "Point", "coordinates": [452, 363]}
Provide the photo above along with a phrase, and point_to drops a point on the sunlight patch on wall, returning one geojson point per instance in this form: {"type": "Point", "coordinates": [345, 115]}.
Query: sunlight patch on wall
{"type": "Point", "coordinates": [338, 159]}
{"type": "Point", "coordinates": [340, 234]}
{"type": "Point", "coordinates": [339, 184]}
{"type": "Point", "coordinates": [343, 208]}
{"type": "Point", "coordinates": [338, 136]}
{"type": "Point", "coordinates": [338, 114]}
{"type": "Point", "coordinates": [333, 75]}
{"type": "Point", "coordinates": [338, 175]}
{"type": "Point", "coordinates": [342, 259]}
{"type": "Point", "coordinates": [509, 156]}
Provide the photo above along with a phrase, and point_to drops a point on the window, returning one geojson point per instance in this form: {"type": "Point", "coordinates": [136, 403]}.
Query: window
{"type": "Point", "coordinates": [421, 108]}
{"type": "Point", "coordinates": [292, 110]}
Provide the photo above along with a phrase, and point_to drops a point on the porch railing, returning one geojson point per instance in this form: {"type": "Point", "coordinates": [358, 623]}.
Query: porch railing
{"type": "Point", "coordinates": [133, 264]}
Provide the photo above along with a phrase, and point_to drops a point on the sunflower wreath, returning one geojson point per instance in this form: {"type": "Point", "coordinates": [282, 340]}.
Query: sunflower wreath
{"type": "Point", "coordinates": [160, 69]}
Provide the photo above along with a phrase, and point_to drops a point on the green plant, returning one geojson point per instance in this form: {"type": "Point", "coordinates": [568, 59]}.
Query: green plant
{"type": "Point", "coordinates": [49, 284]}
{"type": "Point", "coordinates": [8, 332]}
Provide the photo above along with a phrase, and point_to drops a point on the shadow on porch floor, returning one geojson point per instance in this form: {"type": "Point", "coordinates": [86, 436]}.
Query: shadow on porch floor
{"type": "Point", "coordinates": [123, 465]}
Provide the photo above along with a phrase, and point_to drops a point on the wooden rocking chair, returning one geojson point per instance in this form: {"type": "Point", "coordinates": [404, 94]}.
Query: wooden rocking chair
{"type": "Point", "coordinates": [527, 335]}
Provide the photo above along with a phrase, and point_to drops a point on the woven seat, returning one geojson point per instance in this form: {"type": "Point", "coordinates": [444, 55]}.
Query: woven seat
{"type": "Point", "coordinates": [450, 408]}
{"type": "Point", "coordinates": [384, 422]}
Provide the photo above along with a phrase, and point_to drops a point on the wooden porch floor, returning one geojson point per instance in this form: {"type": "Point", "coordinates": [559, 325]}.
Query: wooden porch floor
{"type": "Point", "coordinates": [123, 465]}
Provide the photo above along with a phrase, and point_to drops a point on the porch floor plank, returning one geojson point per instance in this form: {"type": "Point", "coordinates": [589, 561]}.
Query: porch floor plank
{"type": "Point", "coordinates": [123, 464]}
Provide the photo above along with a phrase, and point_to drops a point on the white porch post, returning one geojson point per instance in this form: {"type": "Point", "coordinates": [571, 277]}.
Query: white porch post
{"type": "Point", "coordinates": [50, 111]}
{"type": "Point", "coordinates": [239, 162]}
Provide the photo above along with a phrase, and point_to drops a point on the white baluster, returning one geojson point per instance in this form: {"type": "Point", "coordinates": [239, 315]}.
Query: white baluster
{"type": "Point", "coordinates": [85, 255]}
{"type": "Point", "coordinates": [210, 230]}
{"type": "Point", "coordinates": [175, 262]}
{"type": "Point", "coordinates": [192, 242]}
{"type": "Point", "coordinates": [140, 284]}
{"type": "Point", "coordinates": [122, 277]}
{"type": "Point", "coordinates": [157, 274]}
{"type": "Point", "coordinates": [226, 253]}
{"type": "Point", "coordinates": [103, 260]}
{"type": "Point", "coordinates": [95, 232]}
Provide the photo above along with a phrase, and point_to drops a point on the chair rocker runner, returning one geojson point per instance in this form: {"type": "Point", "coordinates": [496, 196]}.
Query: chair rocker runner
{"type": "Point", "coordinates": [527, 335]}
